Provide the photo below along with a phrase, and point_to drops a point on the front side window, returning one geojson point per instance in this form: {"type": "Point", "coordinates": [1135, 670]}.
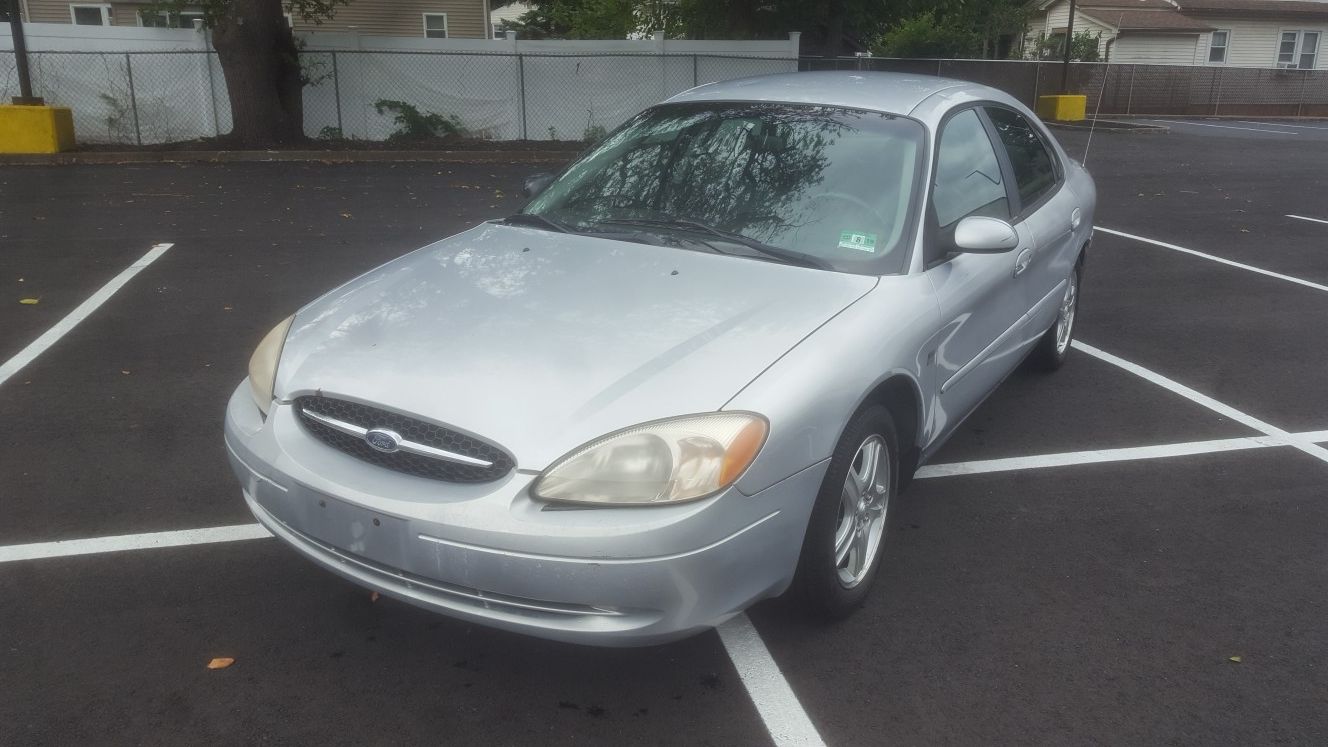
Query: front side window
{"type": "Point", "coordinates": [1030, 158]}
{"type": "Point", "coordinates": [968, 176]}
{"type": "Point", "coordinates": [1298, 49]}
{"type": "Point", "coordinates": [1217, 46]}
{"type": "Point", "coordinates": [435, 25]}
{"type": "Point", "coordinates": [827, 183]}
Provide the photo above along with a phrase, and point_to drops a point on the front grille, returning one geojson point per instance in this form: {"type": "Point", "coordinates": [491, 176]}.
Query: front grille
{"type": "Point", "coordinates": [410, 429]}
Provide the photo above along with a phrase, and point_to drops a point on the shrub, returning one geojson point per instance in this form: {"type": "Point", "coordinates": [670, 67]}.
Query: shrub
{"type": "Point", "coordinates": [412, 124]}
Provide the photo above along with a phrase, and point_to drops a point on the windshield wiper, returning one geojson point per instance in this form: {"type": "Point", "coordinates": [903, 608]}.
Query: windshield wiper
{"type": "Point", "coordinates": [538, 221]}
{"type": "Point", "coordinates": [772, 252]}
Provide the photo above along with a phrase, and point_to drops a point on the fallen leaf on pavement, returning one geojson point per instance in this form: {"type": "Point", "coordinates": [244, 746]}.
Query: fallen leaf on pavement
{"type": "Point", "coordinates": [220, 662]}
{"type": "Point", "coordinates": [28, 301]}
{"type": "Point", "coordinates": [1236, 659]}
{"type": "Point", "coordinates": [373, 597]}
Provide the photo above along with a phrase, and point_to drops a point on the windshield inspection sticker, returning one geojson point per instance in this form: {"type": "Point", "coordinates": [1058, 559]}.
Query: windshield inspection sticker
{"type": "Point", "coordinates": [863, 242]}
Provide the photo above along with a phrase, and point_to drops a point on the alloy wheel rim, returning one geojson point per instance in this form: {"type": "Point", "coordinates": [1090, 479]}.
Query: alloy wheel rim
{"type": "Point", "coordinates": [1065, 320]}
{"type": "Point", "coordinates": [864, 502]}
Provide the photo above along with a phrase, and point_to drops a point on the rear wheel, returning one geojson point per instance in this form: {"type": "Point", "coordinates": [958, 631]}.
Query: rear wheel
{"type": "Point", "coordinates": [1054, 347]}
{"type": "Point", "coordinates": [849, 526]}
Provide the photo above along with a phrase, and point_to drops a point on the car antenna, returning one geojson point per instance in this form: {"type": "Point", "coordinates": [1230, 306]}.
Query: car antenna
{"type": "Point", "coordinates": [1097, 109]}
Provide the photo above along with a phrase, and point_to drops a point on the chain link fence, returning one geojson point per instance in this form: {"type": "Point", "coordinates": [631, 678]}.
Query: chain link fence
{"type": "Point", "coordinates": [139, 98]}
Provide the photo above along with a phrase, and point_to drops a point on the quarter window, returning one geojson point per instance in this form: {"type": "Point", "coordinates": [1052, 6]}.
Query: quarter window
{"type": "Point", "coordinates": [968, 176]}
{"type": "Point", "coordinates": [1298, 49]}
{"type": "Point", "coordinates": [435, 25]}
{"type": "Point", "coordinates": [1034, 171]}
{"type": "Point", "coordinates": [1217, 46]}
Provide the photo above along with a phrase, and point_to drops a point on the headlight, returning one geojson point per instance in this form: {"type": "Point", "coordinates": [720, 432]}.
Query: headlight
{"type": "Point", "coordinates": [263, 364]}
{"type": "Point", "coordinates": [668, 461]}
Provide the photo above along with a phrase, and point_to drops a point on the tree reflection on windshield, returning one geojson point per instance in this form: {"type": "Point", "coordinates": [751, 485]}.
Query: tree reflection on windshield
{"type": "Point", "coordinates": [828, 182]}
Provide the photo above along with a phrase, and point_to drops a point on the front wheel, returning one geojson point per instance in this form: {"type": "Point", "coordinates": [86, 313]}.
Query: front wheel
{"type": "Point", "coordinates": [841, 552]}
{"type": "Point", "coordinates": [1054, 346]}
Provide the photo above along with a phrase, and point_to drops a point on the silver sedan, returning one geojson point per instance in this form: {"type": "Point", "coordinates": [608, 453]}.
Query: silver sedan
{"type": "Point", "coordinates": [694, 372]}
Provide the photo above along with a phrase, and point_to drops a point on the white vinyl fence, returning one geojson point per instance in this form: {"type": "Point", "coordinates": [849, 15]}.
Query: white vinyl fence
{"type": "Point", "coordinates": [140, 86]}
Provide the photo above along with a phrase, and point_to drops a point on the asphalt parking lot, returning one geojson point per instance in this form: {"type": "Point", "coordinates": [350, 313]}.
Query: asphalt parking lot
{"type": "Point", "coordinates": [1133, 550]}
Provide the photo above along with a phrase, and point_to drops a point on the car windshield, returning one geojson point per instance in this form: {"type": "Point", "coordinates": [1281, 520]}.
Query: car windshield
{"type": "Point", "coordinates": [816, 185]}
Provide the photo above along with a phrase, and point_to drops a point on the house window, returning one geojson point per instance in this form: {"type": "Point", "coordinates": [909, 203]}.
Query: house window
{"type": "Point", "coordinates": [90, 15]}
{"type": "Point", "coordinates": [1217, 46]}
{"type": "Point", "coordinates": [1298, 49]}
{"type": "Point", "coordinates": [435, 25]}
{"type": "Point", "coordinates": [164, 20]}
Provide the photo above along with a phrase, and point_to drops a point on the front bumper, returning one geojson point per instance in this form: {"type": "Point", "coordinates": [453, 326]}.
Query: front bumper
{"type": "Point", "coordinates": [492, 555]}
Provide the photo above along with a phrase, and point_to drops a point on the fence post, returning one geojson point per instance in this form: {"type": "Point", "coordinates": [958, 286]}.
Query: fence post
{"type": "Point", "coordinates": [1304, 81]}
{"type": "Point", "coordinates": [133, 100]}
{"type": "Point", "coordinates": [1217, 101]}
{"type": "Point", "coordinates": [1129, 98]}
{"type": "Point", "coordinates": [336, 92]}
{"type": "Point", "coordinates": [1037, 80]}
{"type": "Point", "coordinates": [695, 79]}
{"type": "Point", "coordinates": [938, 68]}
{"type": "Point", "coordinates": [521, 84]}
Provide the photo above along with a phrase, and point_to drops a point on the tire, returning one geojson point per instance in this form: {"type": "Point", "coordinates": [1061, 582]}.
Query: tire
{"type": "Point", "coordinates": [830, 587]}
{"type": "Point", "coordinates": [1054, 347]}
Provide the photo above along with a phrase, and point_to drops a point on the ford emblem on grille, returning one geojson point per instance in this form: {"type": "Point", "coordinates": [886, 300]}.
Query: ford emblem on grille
{"type": "Point", "coordinates": [383, 440]}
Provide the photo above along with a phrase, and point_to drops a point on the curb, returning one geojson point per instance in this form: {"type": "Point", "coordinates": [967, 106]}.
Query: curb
{"type": "Point", "coordinates": [293, 156]}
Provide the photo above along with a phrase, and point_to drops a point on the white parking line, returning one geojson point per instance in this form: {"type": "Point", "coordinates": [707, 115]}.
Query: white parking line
{"type": "Point", "coordinates": [1296, 441]}
{"type": "Point", "coordinates": [1223, 127]}
{"type": "Point", "coordinates": [780, 710]}
{"type": "Point", "coordinates": [120, 543]}
{"type": "Point", "coordinates": [71, 320]}
{"type": "Point", "coordinates": [1282, 124]}
{"type": "Point", "coordinates": [1312, 220]}
{"type": "Point", "coordinates": [1251, 268]}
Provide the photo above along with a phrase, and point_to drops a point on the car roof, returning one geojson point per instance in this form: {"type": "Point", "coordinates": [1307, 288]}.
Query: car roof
{"type": "Point", "coordinates": [893, 93]}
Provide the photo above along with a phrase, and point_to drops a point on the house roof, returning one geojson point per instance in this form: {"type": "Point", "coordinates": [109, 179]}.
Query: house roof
{"type": "Point", "coordinates": [1129, 4]}
{"type": "Point", "coordinates": [1284, 8]}
{"type": "Point", "coordinates": [1147, 20]}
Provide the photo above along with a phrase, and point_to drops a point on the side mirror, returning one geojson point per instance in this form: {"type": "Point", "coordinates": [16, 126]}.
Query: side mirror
{"type": "Point", "coordinates": [979, 235]}
{"type": "Point", "coordinates": [536, 183]}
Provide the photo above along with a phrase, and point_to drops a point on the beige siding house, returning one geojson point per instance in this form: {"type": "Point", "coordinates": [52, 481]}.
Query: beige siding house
{"type": "Point", "coordinates": [1284, 34]}
{"type": "Point", "coordinates": [418, 18]}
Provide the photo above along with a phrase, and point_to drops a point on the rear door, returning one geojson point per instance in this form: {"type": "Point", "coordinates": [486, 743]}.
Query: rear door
{"type": "Point", "coordinates": [981, 305]}
{"type": "Point", "coordinates": [1045, 207]}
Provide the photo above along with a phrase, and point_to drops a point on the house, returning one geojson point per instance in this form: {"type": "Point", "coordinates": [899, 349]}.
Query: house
{"type": "Point", "coordinates": [418, 18]}
{"type": "Point", "coordinates": [508, 14]}
{"type": "Point", "coordinates": [1239, 33]}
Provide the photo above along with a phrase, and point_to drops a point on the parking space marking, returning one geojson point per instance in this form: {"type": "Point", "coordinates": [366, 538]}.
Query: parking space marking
{"type": "Point", "coordinates": [81, 312]}
{"type": "Point", "coordinates": [1220, 260]}
{"type": "Point", "coordinates": [120, 543]}
{"type": "Point", "coordinates": [1223, 127]}
{"type": "Point", "coordinates": [1296, 441]}
{"type": "Point", "coordinates": [1101, 456]}
{"type": "Point", "coordinates": [1281, 124]}
{"type": "Point", "coordinates": [780, 710]}
{"type": "Point", "coordinates": [1312, 220]}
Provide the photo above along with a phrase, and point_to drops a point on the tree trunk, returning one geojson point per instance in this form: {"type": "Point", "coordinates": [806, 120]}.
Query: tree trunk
{"type": "Point", "coordinates": [262, 69]}
{"type": "Point", "coordinates": [834, 29]}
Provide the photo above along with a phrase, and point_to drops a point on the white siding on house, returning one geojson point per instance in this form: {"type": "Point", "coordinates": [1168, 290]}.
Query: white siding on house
{"type": "Point", "coordinates": [1254, 43]}
{"type": "Point", "coordinates": [1157, 49]}
{"type": "Point", "coordinates": [1059, 14]}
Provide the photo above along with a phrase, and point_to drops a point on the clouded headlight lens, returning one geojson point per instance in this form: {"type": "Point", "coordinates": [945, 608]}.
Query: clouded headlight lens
{"type": "Point", "coordinates": [263, 364]}
{"type": "Point", "coordinates": [668, 461]}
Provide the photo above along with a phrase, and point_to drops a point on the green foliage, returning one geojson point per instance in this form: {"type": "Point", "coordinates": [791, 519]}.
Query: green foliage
{"type": "Point", "coordinates": [119, 116]}
{"type": "Point", "coordinates": [1083, 47]}
{"type": "Point", "coordinates": [924, 35]}
{"type": "Point", "coordinates": [412, 124]}
{"type": "Point", "coordinates": [330, 132]}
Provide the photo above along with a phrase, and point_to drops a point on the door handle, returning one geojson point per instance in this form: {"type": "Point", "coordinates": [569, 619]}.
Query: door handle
{"type": "Point", "coordinates": [1022, 262]}
{"type": "Point", "coordinates": [1075, 219]}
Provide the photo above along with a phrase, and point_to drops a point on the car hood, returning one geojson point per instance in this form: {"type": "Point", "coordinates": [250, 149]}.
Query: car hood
{"type": "Point", "coordinates": [541, 341]}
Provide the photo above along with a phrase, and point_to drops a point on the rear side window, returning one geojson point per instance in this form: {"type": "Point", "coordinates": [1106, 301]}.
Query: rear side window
{"type": "Point", "coordinates": [968, 176]}
{"type": "Point", "coordinates": [1034, 172]}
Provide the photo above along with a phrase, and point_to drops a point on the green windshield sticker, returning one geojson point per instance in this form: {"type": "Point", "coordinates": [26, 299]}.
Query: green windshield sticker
{"type": "Point", "coordinates": [863, 242]}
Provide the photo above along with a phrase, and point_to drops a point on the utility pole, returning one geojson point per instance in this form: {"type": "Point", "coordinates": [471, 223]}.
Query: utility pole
{"type": "Point", "coordinates": [1069, 43]}
{"type": "Point", "coordinates": [21, 57]}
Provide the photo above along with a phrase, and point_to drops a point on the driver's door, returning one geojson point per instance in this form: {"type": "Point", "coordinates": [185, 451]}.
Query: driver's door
{"type": "Point", "coordinates": [980, 303]}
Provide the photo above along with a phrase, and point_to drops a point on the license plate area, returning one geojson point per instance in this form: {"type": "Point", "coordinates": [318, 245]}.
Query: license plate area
{"type": "Point", "coordinates": [369, 534]}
